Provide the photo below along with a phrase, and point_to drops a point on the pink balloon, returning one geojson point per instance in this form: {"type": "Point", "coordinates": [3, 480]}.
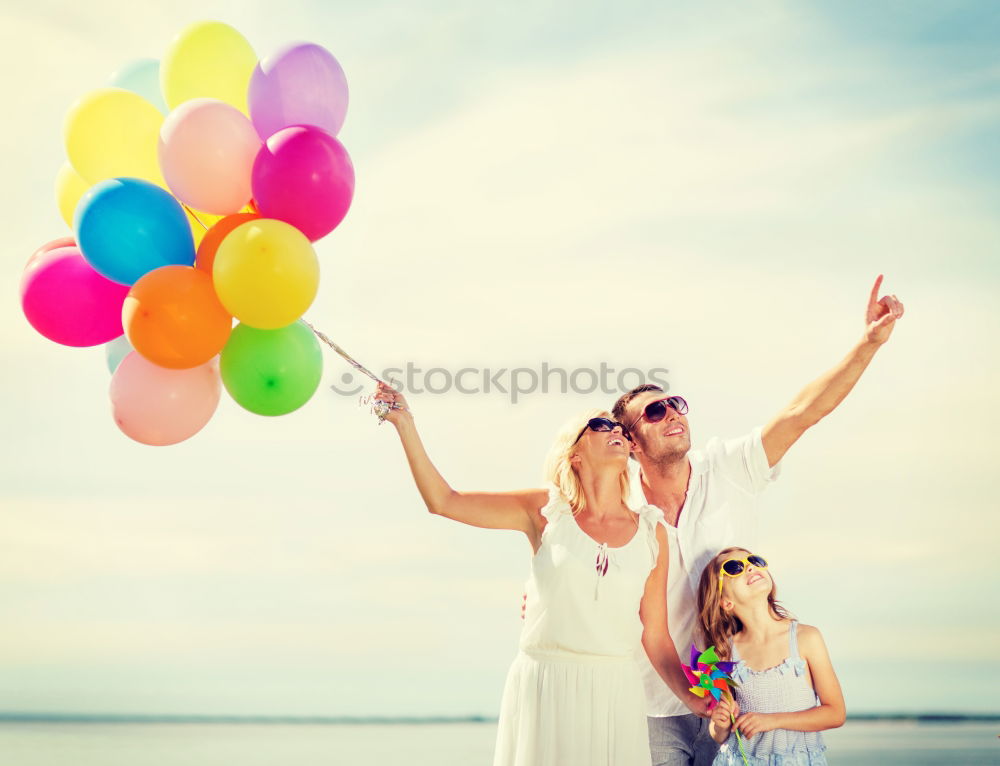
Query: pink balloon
{"type": "Point", "coordinates": [157, 406]}
{"type": "Point", "coordinates": [300, 84]}
{"type": "Point", "coordinates": [67, 301]}
{"type": "Point", "coordinates": [304, 176]}
{"type": "Point", "coordinates": [207, 149]}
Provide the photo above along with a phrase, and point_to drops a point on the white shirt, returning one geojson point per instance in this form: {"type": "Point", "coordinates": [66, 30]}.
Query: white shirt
{"type": "Point", "coordinates": [720, 511]}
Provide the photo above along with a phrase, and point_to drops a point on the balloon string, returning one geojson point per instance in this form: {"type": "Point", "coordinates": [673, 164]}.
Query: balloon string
{"type": "Point", "coordinates": [194, 215]}
{"type": "Point", "coordinates": [347, 357]}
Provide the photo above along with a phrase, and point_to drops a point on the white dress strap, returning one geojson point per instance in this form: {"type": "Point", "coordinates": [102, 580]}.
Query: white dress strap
{"type": "Point", "coordinates": [556, 507]}
{"type": "Point", "coordinates": [649, 518]}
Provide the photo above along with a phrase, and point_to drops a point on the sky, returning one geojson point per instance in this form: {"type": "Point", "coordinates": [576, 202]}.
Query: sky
{"type": "Point", "coordinates": [705, 190]}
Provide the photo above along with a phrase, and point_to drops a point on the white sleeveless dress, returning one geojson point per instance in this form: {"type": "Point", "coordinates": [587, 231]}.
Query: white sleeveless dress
{"type": "Point", "coordinates": [574, 694]}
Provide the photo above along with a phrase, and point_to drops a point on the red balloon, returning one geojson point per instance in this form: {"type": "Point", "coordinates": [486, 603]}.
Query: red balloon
{"type": "Point", "coordinates": [304, 176]}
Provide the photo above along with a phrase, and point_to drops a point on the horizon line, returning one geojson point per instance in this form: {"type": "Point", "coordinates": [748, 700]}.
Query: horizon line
{"type": "Point", "coordinates": [198, 718]}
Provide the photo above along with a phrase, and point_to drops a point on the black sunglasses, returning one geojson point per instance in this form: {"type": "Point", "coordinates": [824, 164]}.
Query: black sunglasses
{"type": "Point", "coordinates": [603, 424]}
{"type": "Point", "coordinates": [656, 411]}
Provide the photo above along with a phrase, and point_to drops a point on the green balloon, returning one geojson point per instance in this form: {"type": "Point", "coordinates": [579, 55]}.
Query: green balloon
{"type": "Point", "coordinates": [272, 372]}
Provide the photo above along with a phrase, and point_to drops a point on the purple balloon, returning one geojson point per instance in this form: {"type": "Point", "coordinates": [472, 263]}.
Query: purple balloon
{"type": "Point", "coordinates": [304, 176]}
{"type": "Point", "coordinates": [70, 303]}
{"type": "Point", "coordinates": [300, 84]}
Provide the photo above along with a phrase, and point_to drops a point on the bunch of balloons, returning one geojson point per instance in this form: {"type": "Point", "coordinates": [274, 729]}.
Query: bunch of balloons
{"type": "Point", "coordinates": [195, 187]}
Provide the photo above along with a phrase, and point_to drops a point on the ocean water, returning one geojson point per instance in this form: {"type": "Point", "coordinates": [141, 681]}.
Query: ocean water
{"type": "Point", "coordinates": [913, 742]}
{"type": "Point", "coordinates": [880, 743]}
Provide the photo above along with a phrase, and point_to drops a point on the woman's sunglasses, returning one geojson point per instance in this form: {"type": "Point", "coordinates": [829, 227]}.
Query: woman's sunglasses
{"type": "Point", "coordinates": [656, 411]}
{"type": "Point", "coordinates": [736, 567]}
{"type": "Point", "coordinates": [603, 424]}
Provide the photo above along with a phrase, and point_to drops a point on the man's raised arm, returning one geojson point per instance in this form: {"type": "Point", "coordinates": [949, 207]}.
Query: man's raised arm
{"type": "Point", "coordinates": [821, 397]}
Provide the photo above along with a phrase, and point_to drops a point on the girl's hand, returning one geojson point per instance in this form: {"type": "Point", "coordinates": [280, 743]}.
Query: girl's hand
{"type": "Point", "coordinates": [721, 722]}
{"type": "Point", "coordinates": [388, 394]}
{"type": "Point", "coordinates": [754, 723]}
{"type": "Point", "coordinates": [723, 714]}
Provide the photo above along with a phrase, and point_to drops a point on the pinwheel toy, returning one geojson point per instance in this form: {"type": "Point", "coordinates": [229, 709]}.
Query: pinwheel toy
{"type": "Point", "coordinates": [711, 676]}
{"type": "Point", "coordinates": [708, 674]}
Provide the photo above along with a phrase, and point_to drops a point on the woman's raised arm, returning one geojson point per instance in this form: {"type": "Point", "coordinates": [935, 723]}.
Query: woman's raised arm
{"type": "Point", "coordinates": [518, 510]}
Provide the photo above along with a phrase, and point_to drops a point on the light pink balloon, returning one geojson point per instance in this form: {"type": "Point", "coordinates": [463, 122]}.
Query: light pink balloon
{"type": "Point", "coordinates": [207, 149]}
{"type": "Point", "coordinates": [157, 406]}
{"type": "Point", "coordinates": [67, 301]}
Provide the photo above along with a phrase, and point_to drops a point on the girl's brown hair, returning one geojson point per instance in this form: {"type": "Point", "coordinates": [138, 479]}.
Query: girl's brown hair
{"type": "Point", "coordinates": [718, 627]}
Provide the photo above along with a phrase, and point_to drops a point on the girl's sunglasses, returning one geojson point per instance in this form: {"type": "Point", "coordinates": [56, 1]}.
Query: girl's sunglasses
{"type": "Point", "coordinates": [656, 411]}
{"type": "Point", "coordinates": [603, 424]}
{"type": "Point", "coordinates": [736, 567]}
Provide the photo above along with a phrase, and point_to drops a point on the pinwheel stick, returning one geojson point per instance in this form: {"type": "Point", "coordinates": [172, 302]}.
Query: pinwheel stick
{"type": "Point", "coordinates": [732, 720]}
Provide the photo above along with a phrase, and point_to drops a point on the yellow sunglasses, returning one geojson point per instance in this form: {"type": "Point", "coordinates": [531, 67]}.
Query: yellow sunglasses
{"type": "Point", "coordinates": [736, 567]}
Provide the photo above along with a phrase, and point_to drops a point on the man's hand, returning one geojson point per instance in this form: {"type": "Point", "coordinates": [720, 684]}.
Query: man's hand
{"type": "Point", "coordinates": [698, 705]}
{"type": "Point", "coordinates": [881, 315]}
{"type": "Point", "coordinates": [821, 397]}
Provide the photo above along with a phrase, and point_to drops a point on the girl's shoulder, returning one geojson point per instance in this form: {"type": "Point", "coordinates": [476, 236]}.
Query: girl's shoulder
{"type": "Point", "coordinates": [810, 640]}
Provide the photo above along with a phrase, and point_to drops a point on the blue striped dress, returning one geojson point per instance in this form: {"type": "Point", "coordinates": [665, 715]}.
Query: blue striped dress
{"type": "Point", "coordinates": [785, 688]}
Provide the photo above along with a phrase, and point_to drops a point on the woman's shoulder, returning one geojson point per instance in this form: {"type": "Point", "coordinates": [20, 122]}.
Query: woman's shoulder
{"type": "Point", "coordinates": [649, 513]}
{"type": "Point", "coordinates": [531, 500]}
{"type": "Point", "coordinates": [549, 503]}
{"type": "Point", "coordinates": [535, 502]}
{"type": "Point", "coordinates": [535, 499]}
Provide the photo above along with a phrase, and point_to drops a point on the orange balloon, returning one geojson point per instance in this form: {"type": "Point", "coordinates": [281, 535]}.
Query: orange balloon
{"type": "Point", "coordinates": [214, 236]}
{"type": "Point", "coordinates": [173, 317]}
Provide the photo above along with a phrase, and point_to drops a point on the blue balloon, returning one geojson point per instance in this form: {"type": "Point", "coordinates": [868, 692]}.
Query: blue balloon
{"type": "Point", "coordinates": [142, 76]}
{"type": "Point", "coordinates": [126, 227]}
{"type": "Point", "coordinates": [115, 351]}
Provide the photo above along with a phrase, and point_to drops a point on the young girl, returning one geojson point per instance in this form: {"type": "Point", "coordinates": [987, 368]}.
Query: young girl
{"type": "Point", "coordinates": [787, 690]}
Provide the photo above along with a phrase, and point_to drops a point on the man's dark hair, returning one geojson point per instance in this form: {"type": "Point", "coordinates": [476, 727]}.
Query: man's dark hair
{"type": "Point", "coordinates": [618, 411]}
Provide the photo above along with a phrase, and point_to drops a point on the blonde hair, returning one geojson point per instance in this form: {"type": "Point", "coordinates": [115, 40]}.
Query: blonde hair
{"type": "Point", "coordinates": [559, 470]}
{"type": "Point", "coordinates": [717, 626]}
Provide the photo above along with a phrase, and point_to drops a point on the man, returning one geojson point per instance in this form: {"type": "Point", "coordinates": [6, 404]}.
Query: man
{"type": "Point", "coordinates": [708, 498]}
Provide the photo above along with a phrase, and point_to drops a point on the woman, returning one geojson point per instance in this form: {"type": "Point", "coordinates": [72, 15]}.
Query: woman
{"type": "Point", "coordinates": [598, 585]}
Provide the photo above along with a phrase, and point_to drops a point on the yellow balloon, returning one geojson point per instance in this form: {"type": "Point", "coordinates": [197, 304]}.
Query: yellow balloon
{"type": "Point", "coordinates": [111, 133]}
{"type": "Point", "coordinates": [266, 273]}
{"type": "Point", "coordinates": [69, 188]}
{"type": "Point", "coordinates": [209, 59]}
